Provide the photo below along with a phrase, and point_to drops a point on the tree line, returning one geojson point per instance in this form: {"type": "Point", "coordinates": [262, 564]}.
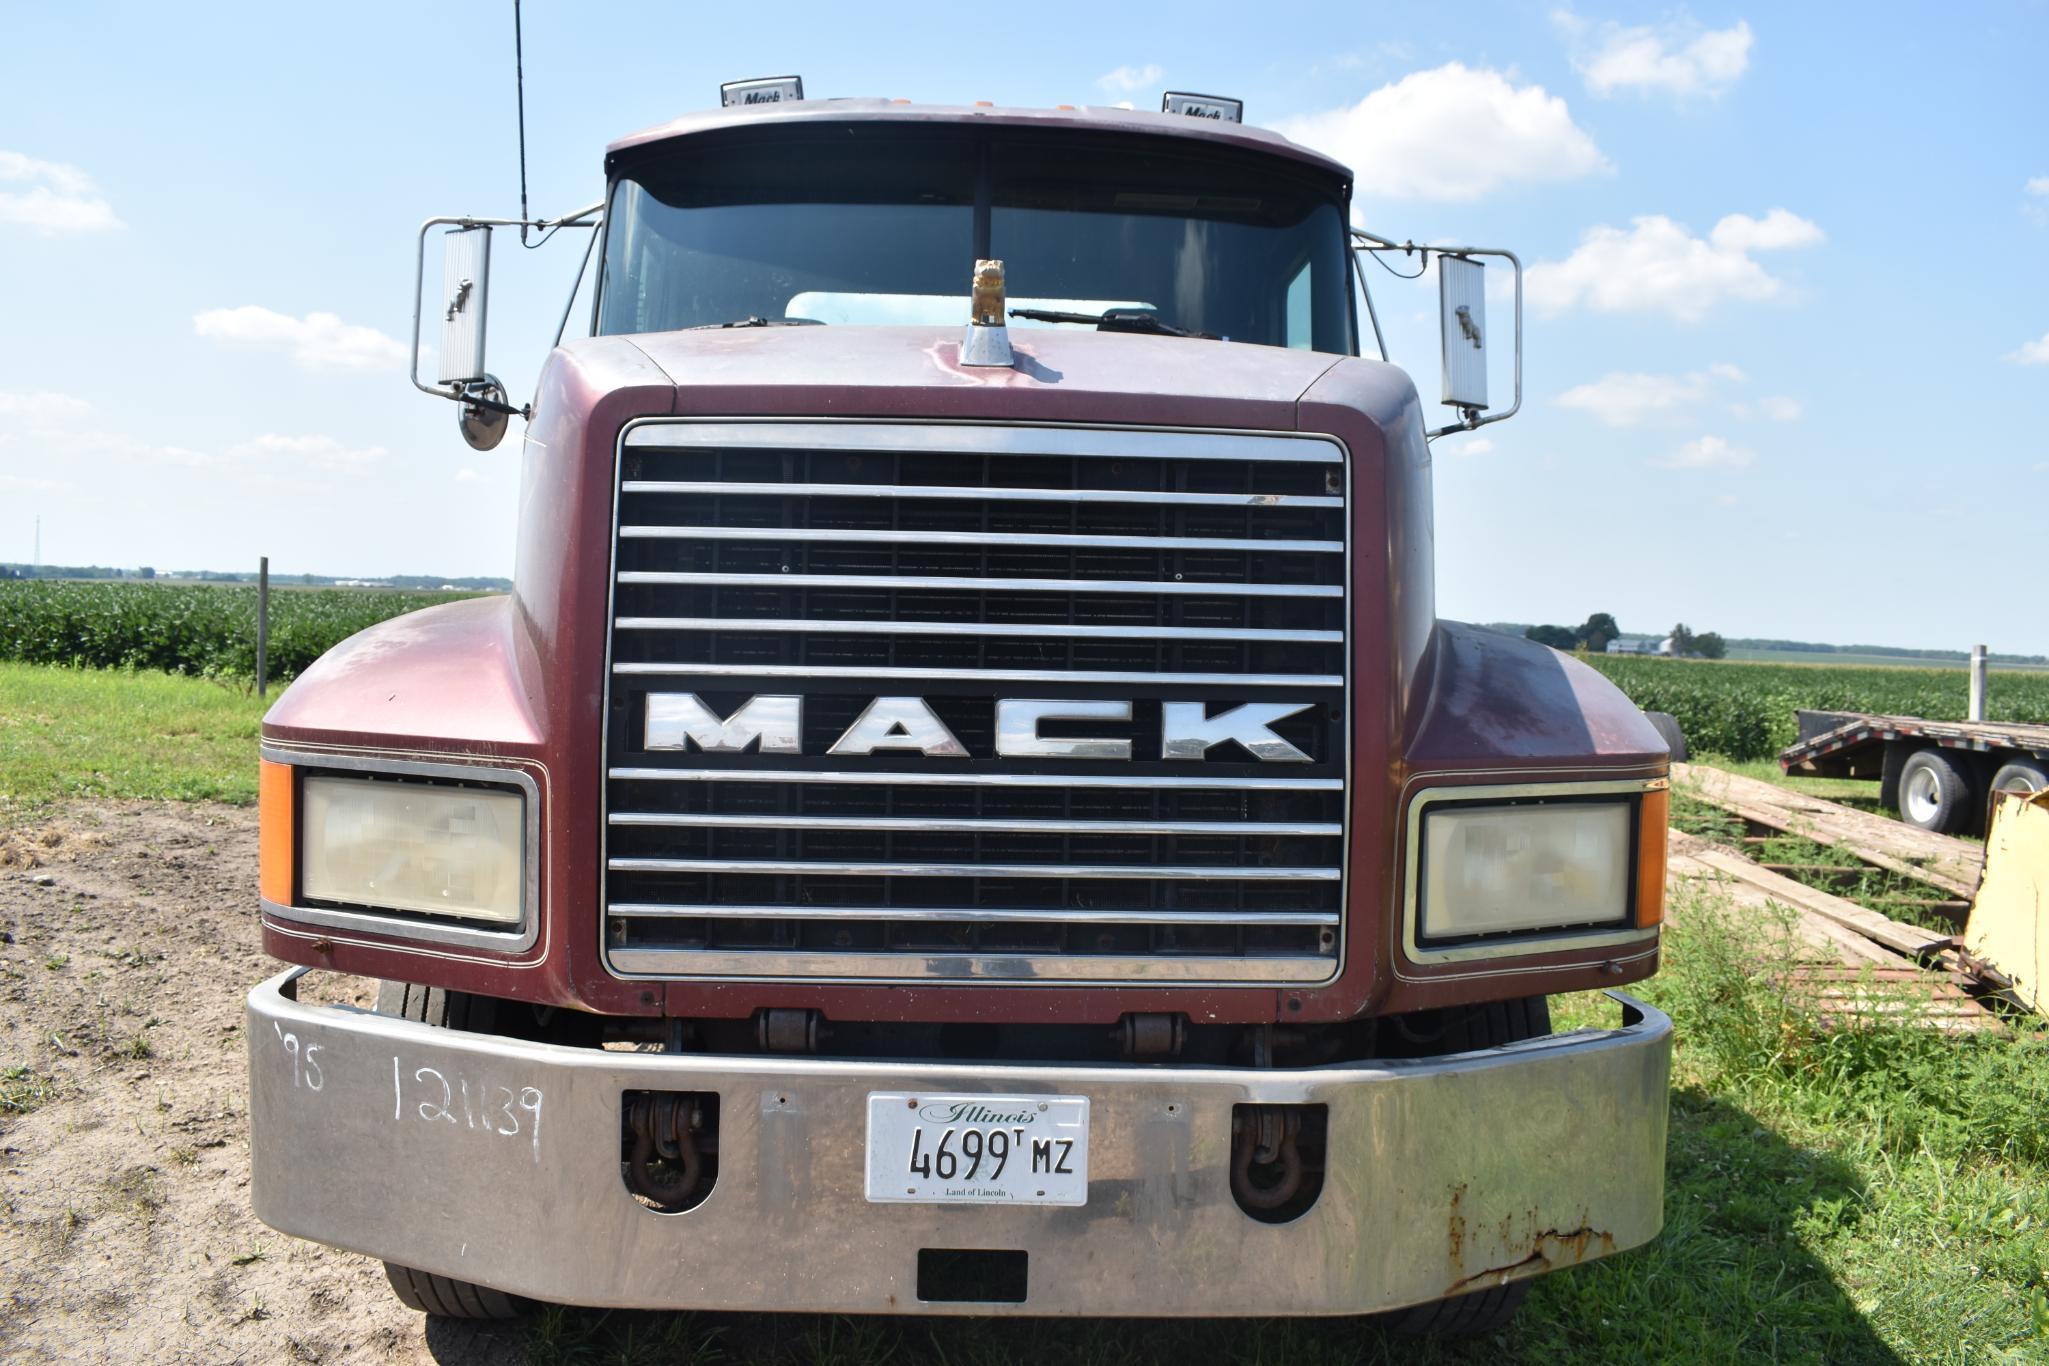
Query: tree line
{"type": "Point", "coordinates": [1599, 631]}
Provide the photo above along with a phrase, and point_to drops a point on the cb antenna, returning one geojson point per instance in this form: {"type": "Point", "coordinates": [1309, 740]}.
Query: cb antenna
{"type": "Point", "coordinates": [519, 80]}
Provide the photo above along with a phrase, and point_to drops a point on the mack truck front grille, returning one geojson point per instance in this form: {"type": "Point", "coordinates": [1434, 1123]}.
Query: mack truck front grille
{"type": "Point", "coordinates": [819, 629]}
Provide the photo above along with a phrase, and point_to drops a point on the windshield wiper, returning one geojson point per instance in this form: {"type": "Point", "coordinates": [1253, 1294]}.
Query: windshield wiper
{"type": "Point", "coordinates": [1114, 320]}
{"type": "Point", "coordinates": [752, 321]}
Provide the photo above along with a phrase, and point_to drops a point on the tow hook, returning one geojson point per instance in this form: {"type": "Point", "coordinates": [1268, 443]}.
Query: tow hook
{"type": "Point", "coordinates": [1266, 1155]}
{"type": "Point", "coordinates": [668, 1137]}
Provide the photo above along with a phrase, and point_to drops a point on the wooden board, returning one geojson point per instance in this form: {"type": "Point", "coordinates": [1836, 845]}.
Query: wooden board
{"type": "Point", "coordinates": [1842, 974]}
{"type": "Point", "coordinates": [1817, 938]}
{"type": "Point", "coordinates": [1902, 938]}
{"type": "Point", "coordinates": [1942, 861]}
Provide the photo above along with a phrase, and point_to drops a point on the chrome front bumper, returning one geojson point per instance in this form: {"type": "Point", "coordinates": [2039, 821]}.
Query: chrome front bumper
{"type": "Point", "coordinates": [1444, 1175]}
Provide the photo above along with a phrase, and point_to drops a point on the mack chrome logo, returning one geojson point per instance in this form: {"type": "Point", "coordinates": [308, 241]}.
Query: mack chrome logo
{"type": "Point", "coordinates": [681, 721]}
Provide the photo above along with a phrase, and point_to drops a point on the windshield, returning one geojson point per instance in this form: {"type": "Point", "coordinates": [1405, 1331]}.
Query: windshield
{"type": "Point", "coordinates": [863, 223]}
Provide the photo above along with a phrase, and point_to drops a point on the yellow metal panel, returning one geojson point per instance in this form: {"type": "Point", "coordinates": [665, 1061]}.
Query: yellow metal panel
{"type": "Point", "coordinates": [2009, 924]}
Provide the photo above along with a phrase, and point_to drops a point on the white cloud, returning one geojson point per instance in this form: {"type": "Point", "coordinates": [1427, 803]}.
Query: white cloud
{"type": "Point", "coordinates": [1776, 231]}
{"type": "Point", "coordinates": [2038, 185]}
{"type": "Point", "coordinates": [1684, 62]}
{"type": "Point", "coordinates": [57, 198]}
{"type": "Point", "coordinates": [41, 407]}
{"type": "Point", "coordinates": [2032, 353]}
{"type": "Point", "coordinates": [1623, 399]}
{"type": "Point", "coordinates": [19, 483]}
{"type": "Point", "coordinates": [1657, 265]}
{"type": "Point", "coordinates": [1478, 445]}
{"type": "Point", "coordinates": [322, 453]}
{"type": "Point", "coordinates": [467, 475]}
{"type": "Point", "coordinates": [1707, 452]}
{"type": "Point", "coordinates": [1779, 408]}
{"type": "Point", "coordinates": [318, 341]}
{"type": "Point", "coordinates": [1451, 133]}
{"type": "Point", "coordinates": [1125, 79]}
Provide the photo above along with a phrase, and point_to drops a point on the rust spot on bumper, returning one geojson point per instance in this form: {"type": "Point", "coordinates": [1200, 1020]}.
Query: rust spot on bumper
{"type": "Point", "coordinates": [1549, 1250]}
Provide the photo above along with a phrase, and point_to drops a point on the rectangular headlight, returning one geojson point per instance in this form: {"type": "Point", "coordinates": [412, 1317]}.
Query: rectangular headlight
{"type": "Point", "coordinates": [1498, 869]}
{"type": "Point", "coordinates": [410, 846]}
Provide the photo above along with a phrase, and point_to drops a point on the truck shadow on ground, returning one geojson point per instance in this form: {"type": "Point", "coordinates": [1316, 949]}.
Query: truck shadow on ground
{"type": "Point", "coordinates": [1732, 1275]}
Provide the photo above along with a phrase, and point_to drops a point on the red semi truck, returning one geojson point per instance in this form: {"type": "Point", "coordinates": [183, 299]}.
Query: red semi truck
{"type": "Point", "coordinates": [969, 806]}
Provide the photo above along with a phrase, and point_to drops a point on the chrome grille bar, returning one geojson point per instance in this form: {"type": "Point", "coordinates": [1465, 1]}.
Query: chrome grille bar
{"type": "Point", "coordinates": [929, 915]}
{"type": "Point", "coordinates": [1110, 871]}
{"type": "Point", "coordinates": [949, 439]}
{"type": "Point", "coordinates": [938, 825]}
{"type": "Point", "coordinates": [978, 493]}
{"type": "Point", "coordinates": [901, 582]}
{"type": "Point", "coordinates": [1204, 783]}
{"type": "Point", "coordinates": [860, 626]}
{"type": "Point", "coordinates": [865, 535]}
{"type": "Point", "coordinates": [682, 669]}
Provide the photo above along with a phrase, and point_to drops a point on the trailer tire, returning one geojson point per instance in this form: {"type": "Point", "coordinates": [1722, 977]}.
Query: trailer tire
{"type": "Point", "coordinates": [2022, 775]}
{"type": "Point", "coordinates": [444, 1296]}
{"type": "Point", "coordinates": [1891, 760]}
{"type": "Point", "coordinates": [1935, 791]}
{"type": "Point", "coordinates": [1667, 726]}
{"type": "Point", "coordinates": [1476, 1312]}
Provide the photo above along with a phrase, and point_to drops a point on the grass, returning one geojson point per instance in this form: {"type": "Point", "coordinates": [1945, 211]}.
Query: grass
{"type": "Point", "coordinates": [72, 733]}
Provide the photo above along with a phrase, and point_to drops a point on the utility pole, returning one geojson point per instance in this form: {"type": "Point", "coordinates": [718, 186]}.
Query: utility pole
{"type": "Point", "coordinates": [1977, 683]}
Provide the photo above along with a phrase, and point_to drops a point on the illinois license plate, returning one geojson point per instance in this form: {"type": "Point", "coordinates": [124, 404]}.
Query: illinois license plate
{"type": "Point", "coordinates": [977, 1150]}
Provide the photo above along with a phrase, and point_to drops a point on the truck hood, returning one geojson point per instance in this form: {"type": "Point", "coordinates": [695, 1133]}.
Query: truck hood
{"type": "Point", "coordinates": [879, 371]}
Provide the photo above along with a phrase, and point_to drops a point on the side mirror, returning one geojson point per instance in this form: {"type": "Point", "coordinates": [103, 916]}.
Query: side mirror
{"type": "Point", "coordinates": [466, 295]}
{"type": "Point", "coordinates": [465, 298]}
{"type": "Point", "coordinates": [1462, 321]}
{"type": "Point", "coordinates": [1462, 329]}
{"type": "Point", "coordinates": [466, 290]}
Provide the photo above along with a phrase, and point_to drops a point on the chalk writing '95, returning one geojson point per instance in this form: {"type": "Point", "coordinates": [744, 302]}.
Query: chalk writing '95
{"type": "Point", "coordinates": [472, 1104]}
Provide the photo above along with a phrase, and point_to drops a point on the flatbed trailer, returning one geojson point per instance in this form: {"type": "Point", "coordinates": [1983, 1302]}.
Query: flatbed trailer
{"type": "Point", "coordinates": [1939, 775]}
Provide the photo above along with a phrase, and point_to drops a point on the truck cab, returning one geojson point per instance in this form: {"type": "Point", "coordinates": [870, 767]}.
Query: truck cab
{"type": "Point", "coordinates": [969, 806]}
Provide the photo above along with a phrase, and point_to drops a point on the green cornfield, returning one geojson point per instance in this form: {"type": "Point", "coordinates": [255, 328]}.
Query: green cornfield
{"type": "Point", "coordinates": [203, 629]}
{"type": "Point", "coordinates": [1741, 710]}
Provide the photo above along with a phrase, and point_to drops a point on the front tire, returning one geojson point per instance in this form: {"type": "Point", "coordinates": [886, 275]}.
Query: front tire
{"type": "Point", "coordinates": [444, 1296]}
{"type": "Point", "coordinates": [1477, 1312]}
{"type": "Point", "coordinates": [1935, 791]}
{"type": "Point", "coordinates": [448, 1298]}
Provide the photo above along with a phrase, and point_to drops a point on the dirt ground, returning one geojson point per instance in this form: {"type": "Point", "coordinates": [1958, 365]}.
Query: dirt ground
{"type": "Point", "coordinates": [128, 938]}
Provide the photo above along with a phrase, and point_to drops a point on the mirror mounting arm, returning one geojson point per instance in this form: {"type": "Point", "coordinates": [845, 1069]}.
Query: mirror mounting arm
{"type": "Point", "coordinates": [1470, 418]}
{"type": "Point", "coordinates": [474, 394]}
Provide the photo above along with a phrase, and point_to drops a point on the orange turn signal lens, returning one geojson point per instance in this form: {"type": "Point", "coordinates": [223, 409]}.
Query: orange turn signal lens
{"type": "Point", "coordinates": [1654, 816]}
{"type": "Point", "coordinates": [276, 800]}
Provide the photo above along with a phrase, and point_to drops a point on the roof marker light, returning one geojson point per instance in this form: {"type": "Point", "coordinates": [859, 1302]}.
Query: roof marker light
{"type": "Point", "coordinates": [1203, 106]}
{"type": "Point", "coordinates": [763, 90]}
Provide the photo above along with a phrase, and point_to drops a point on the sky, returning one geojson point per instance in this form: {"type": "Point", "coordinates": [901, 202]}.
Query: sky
{"type": "Point", "coordinates": [1786, 345]}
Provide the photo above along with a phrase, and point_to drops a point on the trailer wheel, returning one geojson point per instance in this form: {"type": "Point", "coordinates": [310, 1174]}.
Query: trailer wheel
{"type": "Point", "coordinates": [1935, 791]}
{"type": "Point", "coordinates": [1477, 1311]}
{"type": "Point", "coordinates": [2022, 775]}
{"type": "Point", "coordinates": [1667, 726]}
{"type": "Point", "coordinates": [423, 1290]}
{"type": "Point", "coordinates": [1891, 760]}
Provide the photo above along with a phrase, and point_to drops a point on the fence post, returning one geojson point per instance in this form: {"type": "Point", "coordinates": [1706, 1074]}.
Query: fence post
{"type": "Point", "coordinates": [1977, 683]}
{"type": "Point", "coordinates": [262, 624]}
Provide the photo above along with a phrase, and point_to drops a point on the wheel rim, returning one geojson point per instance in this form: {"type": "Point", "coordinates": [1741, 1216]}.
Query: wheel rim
{"type": "Point", "coordinates": [1922, 795]}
